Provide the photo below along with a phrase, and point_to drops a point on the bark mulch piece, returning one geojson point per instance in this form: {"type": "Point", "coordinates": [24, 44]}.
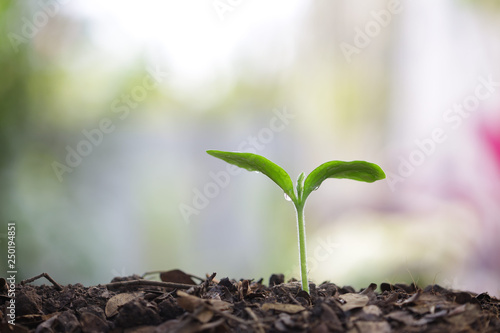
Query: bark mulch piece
{"type": "Point", "coordinates": [177, 304]}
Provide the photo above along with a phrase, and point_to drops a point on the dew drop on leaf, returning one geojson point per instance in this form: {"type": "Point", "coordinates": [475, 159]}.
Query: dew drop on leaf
{"type": "Point", "coordinates": [287, 198]}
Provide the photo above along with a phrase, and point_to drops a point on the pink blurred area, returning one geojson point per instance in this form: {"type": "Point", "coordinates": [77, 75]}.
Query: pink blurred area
{"type": "Point", "coordinates": [489, 207]}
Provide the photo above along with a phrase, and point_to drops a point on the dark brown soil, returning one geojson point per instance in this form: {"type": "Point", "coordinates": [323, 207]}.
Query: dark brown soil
{"type": "Point", "coordinates": [178, 304]}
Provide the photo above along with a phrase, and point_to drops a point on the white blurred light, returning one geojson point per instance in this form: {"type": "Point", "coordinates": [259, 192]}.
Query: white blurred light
{"type": "Point", "coordinates": [190, 36]}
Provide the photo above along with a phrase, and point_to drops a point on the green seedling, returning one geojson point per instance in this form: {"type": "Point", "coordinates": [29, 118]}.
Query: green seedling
{"type": "Point", "coordinates": [356, 170]}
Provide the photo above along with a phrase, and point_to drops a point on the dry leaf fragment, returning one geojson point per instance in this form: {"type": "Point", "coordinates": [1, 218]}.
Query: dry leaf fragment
{"type": "Point", "coordinates": [203, 314]}
{"type": "Point", "coordinates": [367, 313]}
{"type": "Point", "coordinates": [288, 308]}
{"type": "Point", "coordinates": [190, 302]}
{"type": "Point", "coordinates": [464, 315]}
{"type": "Point", "coordinates": [31, 319]}
{"type": "Point", "coordinates": [353, 301]}
{"type": "Point", "coordinates": [119, 300]}
{"type": "Point", "coordinates": [176, 276]}
{"type": "Point", "coordinates": [372, 310]}
{"type": "Point", "coordinates": [92, 323]}
{"type": "Point", "coordinates": [220, 305]}
{"type": "Point", "coordinates": [413, 298]}
{"type": "Point", "coordinates": [407, 319]}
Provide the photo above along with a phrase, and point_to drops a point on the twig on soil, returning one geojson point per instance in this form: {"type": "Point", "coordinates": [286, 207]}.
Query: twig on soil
{"type": "Point", "coordinates": [148, 283]}
{"type": "Point", "coordinates": [289, 294]}
{"type": "Point", "coordinates": [208, 280]}
{"type": "Point", "coordinates": [45, 275]}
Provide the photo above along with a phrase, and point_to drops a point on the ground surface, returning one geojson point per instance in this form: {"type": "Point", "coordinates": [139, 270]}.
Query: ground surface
{"type": "Point", "coordinates": [178, 304]}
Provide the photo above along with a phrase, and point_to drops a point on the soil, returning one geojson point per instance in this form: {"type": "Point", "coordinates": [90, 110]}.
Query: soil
{"type": "Point", "coordinates": [178, 304]}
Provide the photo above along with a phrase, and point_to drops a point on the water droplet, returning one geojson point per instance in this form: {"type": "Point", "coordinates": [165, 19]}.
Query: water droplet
{"type": "Point", "coordinates": [314, 189]}
{"type": "Point", "coordinates": [287, 198]}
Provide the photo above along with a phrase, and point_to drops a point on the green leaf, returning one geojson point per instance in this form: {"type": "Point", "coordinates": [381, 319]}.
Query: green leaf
{"type": "Point", "coordinates": [356, 170]}
{"type": "Point", "coordinates": [254, 162]}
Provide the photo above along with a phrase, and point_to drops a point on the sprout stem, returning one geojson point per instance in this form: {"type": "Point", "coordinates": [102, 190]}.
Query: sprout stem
{"type": "Point", "coordinates": [301, 231]}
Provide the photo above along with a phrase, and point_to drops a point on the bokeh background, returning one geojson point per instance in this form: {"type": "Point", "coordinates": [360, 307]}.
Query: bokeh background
{"type": "Point", "coordinates": [107, 108]}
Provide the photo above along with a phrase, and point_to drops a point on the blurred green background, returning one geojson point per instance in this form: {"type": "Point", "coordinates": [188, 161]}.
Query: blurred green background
{"type": "Point", "coordinates": [107, 108]}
